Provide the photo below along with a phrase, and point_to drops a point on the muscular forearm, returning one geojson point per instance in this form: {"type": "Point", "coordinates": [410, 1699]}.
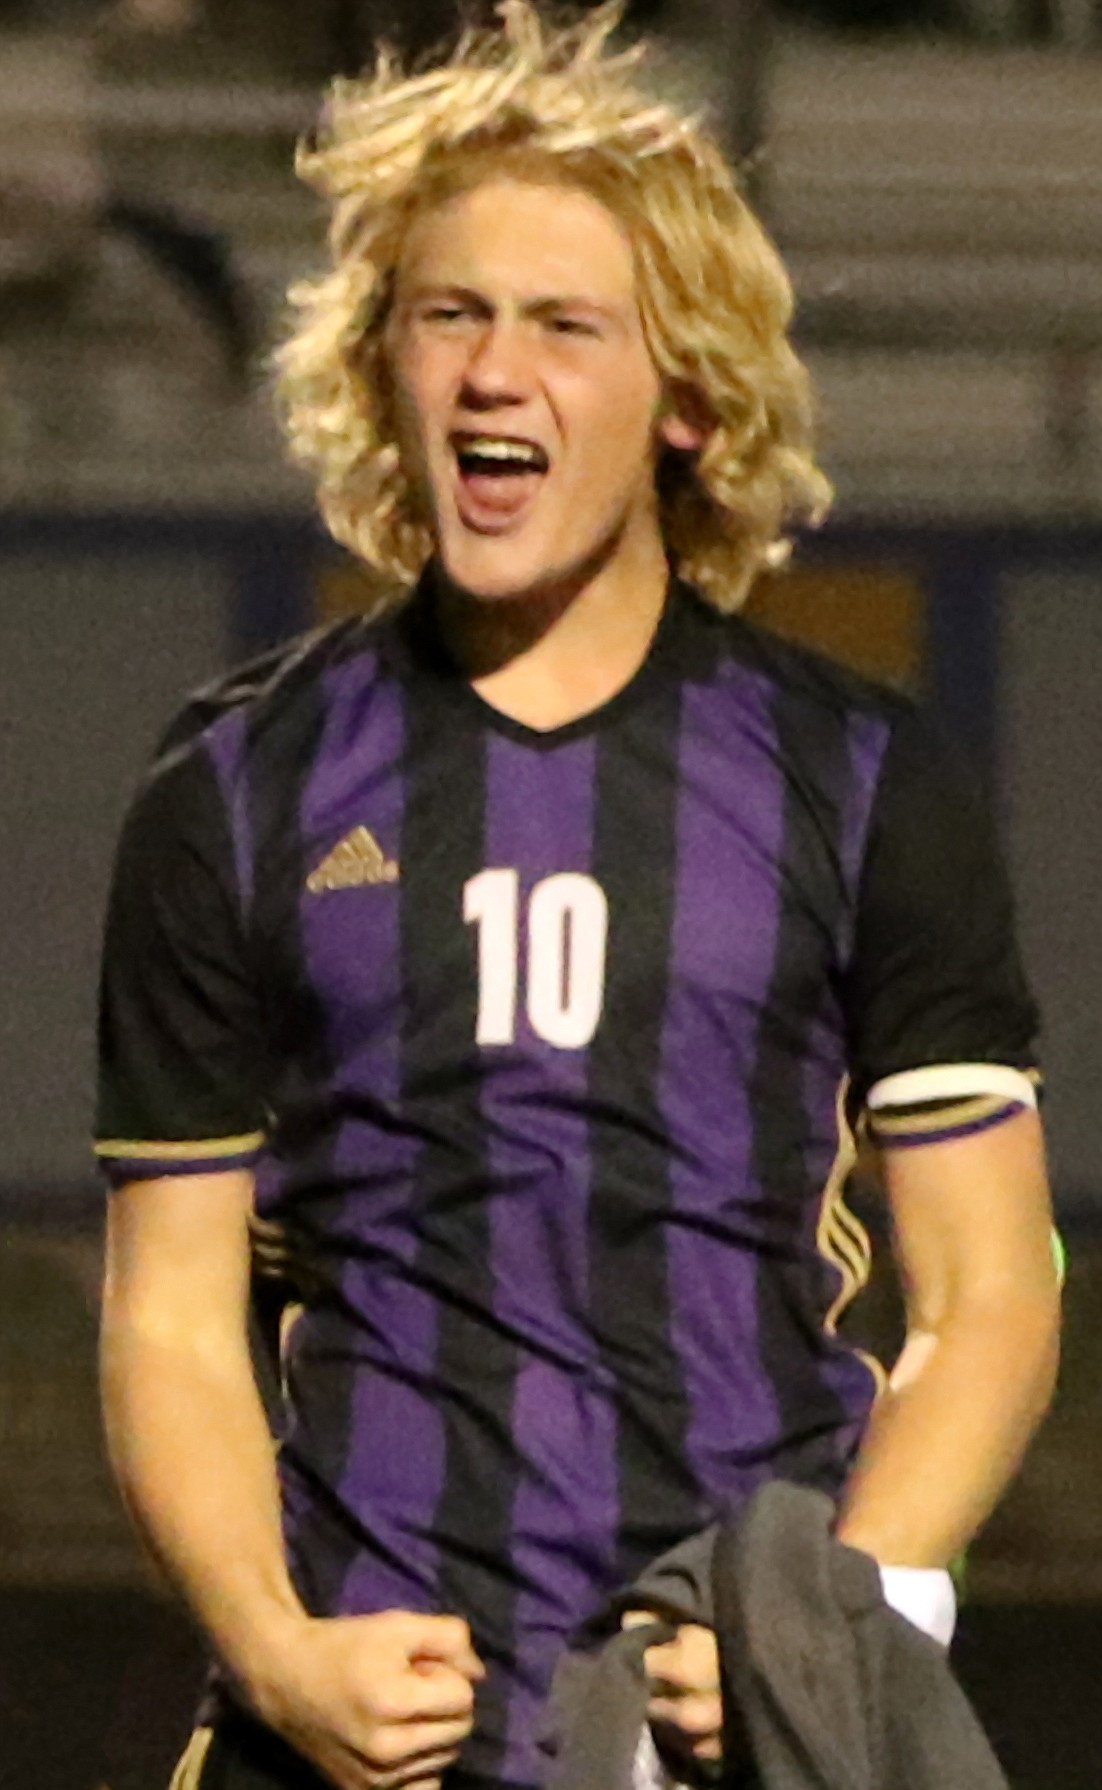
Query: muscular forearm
{"type": "Point", "coordinates": [192, 1452]}
{"type": "Point", "coordinates": [950, 1431]}
{"type": "Point", "coordinates": [384, 1698]}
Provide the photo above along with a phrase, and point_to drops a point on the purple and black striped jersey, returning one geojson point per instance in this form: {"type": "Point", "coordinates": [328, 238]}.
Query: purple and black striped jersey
{"type": "Point", "coordinates": [546, 1048]}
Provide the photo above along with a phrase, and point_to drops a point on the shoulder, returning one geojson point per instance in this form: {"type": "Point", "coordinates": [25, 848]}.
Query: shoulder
{"type": "Point", "coordinates": [825, 724]}
{"type": "Point", "coordinates": [277, 693]}
{"type": "Point", "coordinates": [283, 677]}
{"type": "Point", "coordinates": [276, 700]}
{"type": "Point", "coordinates": [809, 679]}
{"type": "Point", "coordinates": [907, 742]}
{"type": "Point", "coordinates": [864, 756]}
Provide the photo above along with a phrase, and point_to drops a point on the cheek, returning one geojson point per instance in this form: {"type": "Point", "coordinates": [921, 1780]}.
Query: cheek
{"type": "Point", "coordinates": [620, 428]}
{"type": "Point", "coordinates": [423, 382]}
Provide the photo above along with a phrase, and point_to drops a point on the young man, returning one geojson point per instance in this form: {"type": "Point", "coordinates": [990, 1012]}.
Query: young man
{"type": "Point", "coordinates": [517, 961]}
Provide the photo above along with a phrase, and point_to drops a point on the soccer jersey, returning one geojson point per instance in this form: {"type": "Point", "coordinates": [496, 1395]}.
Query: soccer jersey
{"type": "Point", "coordinates": [547, 1048]}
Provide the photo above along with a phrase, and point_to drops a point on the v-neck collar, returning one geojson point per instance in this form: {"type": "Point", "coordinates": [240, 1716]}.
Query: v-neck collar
{"type": "Point", "coordinates": [422, 639]}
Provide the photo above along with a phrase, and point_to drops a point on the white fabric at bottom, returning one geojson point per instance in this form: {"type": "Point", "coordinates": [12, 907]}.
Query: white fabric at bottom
{"type": "Point", "coordinates": [648, 1771]}
{"type": "Point", "coordinates": [925, 1596]}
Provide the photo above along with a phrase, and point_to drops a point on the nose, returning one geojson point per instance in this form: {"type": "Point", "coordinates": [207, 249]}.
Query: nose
{"type": "Point", "coordinates": [497, 370]}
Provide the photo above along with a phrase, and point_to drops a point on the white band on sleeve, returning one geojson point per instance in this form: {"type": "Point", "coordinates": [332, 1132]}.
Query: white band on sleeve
{"type": "Point", "coordinates": [952, 1081]}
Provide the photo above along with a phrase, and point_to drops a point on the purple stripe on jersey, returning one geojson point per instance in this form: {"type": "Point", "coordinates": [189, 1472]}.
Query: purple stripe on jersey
{"type": "Point", "coordinates": [226, 743]}
{"type": "Point", "coordinates": [730, 834]}
{"type": "Point", "coordinates": [390, 1478]}
{"type": "Point", "coordinates": [540, 815]}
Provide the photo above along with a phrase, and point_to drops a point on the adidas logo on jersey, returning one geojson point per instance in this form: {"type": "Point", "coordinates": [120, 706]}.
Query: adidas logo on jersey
{"type": "Point", "coordinates": [357, 860]}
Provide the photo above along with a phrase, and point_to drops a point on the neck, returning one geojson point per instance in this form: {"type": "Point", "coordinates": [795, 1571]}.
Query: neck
{"type": "Point", "coordinates": [549, 657]}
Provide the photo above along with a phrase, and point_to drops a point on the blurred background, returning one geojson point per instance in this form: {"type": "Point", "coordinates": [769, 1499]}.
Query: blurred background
{"type": "Point", "coordinates": [933, 172]}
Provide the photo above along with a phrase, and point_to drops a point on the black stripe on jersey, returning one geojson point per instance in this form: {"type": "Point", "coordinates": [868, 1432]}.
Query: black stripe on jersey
{"type": "Point", "coordinates": [634, 861]}
{"type": "Point", "coordinates": [810, 897]}
{"type": "Point", "coordinates": [442, 847]}
{"type": "Point", "coordinates": [285, 736]}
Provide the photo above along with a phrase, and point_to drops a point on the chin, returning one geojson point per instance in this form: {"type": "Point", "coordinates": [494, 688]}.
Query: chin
{"type": "Point", "coordinates": [506, 570]}
{"type": "Point", "coordinates": [497, 576]}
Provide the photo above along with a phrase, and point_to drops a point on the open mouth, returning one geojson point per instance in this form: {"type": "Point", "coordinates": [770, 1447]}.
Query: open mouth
{"type": "Point", "coordinates": [498, 474]}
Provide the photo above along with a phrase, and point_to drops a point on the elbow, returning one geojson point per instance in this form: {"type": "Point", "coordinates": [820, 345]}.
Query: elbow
{"type": "Point", "coordinates": [1005, 1335]}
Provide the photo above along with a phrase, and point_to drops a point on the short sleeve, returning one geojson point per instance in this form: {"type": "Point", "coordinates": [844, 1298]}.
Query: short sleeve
{"type": "Point", "coordinates": [942, 1025]}
{"type": "Point", "coordinates": [180, 1041]}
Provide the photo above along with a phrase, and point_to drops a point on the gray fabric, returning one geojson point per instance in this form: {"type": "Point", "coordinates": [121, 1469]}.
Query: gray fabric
{"type": "Point", "coordinates": [598, 1707]}
{"type": "Point", "coordinates": [838, 1691]}
{"type": "Point", "coordinates": [678, 1585]}
{"type": "Point", "coordinates": [598, 1701]}
{"type": "Point", "coordinates": [830, 1688]}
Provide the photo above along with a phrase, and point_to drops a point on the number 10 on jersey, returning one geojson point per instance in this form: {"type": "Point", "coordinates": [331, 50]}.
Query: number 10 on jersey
{"type": "Point", "coordinates": [565, 928]}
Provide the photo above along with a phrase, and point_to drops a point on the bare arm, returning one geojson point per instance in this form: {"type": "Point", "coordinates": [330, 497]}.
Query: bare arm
{"type": "Point", "coordinates": [185, 1426]}
{"type": "Point", "coordinates": [973, 1229]}
{"type": "Point", "coordinates": [973, 1233]}
{"type": "Point", "coordinates": [374, 1701]}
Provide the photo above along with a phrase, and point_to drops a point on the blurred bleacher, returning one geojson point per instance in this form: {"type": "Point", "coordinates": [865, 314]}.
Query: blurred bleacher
{"type": "Point", "coordinates": [941, 211]}
{"type": "Point", "coordinates": [940, 205]}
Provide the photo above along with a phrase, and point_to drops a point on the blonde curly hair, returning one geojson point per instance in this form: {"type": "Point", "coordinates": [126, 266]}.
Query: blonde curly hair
{"type": "Point", "coordinates": [557, 104]}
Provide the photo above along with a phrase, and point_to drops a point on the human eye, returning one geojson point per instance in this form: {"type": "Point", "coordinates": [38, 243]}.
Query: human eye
{"type": "Point", "coordinates": [446, 310]}
{"type": "Point", "coordinates": [444, 313]}
{"type": "Point", "coordinates": [573, 326]}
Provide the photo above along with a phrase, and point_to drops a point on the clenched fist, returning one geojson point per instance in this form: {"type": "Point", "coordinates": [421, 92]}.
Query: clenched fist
{"type": "Point", "coordinates": [375, 1702]}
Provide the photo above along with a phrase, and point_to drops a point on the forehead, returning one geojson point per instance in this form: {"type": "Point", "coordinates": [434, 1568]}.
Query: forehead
{"type": "Point", "coordinates": [521, 236]}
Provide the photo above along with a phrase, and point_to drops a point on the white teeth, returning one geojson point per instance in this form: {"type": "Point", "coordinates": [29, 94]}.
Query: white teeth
{"type": "Point", "coordinates": [493, 447]}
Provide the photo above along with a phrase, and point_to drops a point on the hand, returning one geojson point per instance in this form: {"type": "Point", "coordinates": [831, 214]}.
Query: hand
{"type": "Point", "coordinates": [685, 1709]}
{"type": "Point", "coordinates": [375, 1702]}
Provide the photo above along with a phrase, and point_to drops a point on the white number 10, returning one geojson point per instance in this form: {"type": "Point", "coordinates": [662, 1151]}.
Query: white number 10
{"type": "Point", "coordinates": [567, 934]}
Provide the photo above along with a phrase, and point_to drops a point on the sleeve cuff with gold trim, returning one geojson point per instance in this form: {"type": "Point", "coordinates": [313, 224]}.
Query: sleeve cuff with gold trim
{"type": "Point", "coordinates": [138, 1160]}
{"type": "Point", "coordinates": [943, 1101]}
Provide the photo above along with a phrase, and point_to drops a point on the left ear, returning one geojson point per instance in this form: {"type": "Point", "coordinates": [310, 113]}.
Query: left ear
{"type": "Point", "coordinates": [684, 423]}
{"type": "Point", "coordinates": [677, 432]}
